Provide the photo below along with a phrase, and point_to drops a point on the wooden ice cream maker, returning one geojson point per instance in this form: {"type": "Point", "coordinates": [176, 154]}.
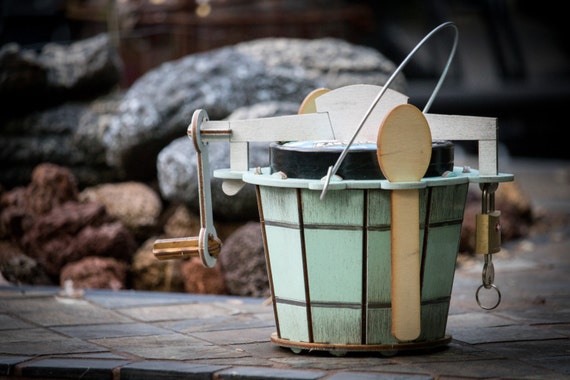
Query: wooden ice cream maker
{"type": "Point", "coordinates": [360, 254]}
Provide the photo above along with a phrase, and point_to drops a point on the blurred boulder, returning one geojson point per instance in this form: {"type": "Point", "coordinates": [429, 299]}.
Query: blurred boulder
{"type": "Point", "coordinates": [17, 268]}
{"type": "Point", "coordinates": [135, 204]}
{"type": "Point", "coordinates": [149, 273]}
{"type": "Point", "coordinates": [108, 136]}
{"type": "Point", "coordinates": [50, 225]}
{"type": "Point", "coordinates": [32, 80]}
{"type": "Point", "coordinates": [96, 273]}
{"type": "Point", "coordinates": [158, 107]}
{"type": "Point", "coordinates": [199, 279]}
{"type": "Point", "coordinates": [243, 264]}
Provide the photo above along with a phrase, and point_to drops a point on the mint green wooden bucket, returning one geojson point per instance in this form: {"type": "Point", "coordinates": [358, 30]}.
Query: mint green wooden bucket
{"type": "Point", "coordinates": [329, 260]}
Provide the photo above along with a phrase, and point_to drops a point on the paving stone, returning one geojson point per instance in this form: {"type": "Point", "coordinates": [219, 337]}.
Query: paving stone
{"type": "Point", "coordinates": [175, 312]}
{"type": "Point", "coordinates": [559, 364]}
{"type": "Point", "coordinates": [239, 336]}
{"type": "Point", "coordinates": [477, 320]}
{"type": "Point", "coordinates": [528, 349]}
{"type": "Point", "coordinates": [167, 370]}
{"type": "Point", "coordinates": [85, 369]}
{"type": "Point", "coordinates": [38, 335]}
{"type": "Point", "coordinates": [492, 368]}
{"type": "Point", "coordinates": [7, 363]}
{"type": "Point", "coordinates": [218, 323]}
{"type": "Point", "coordinates": [59, 311]}
{"type": "Point", "coordinates": [8, 322]}
{"type": "Point", "coordinates": [172, 346]}
{"type": "Point", "coordinates": [124, 299]}
{"type": "Point", "coordinates": [51, 347]}
{"type": "Point", "coordinates": [371, 376]}
{"type": "Point", "coordinates": [504, 334]}
{"type": "Point", "coordinates": [237, 373]}
{"type": "Point", "coordinates": [110, 330]}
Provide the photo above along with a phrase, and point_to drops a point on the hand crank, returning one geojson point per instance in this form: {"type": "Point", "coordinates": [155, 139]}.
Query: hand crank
{"type": "Point", "coordinates": [207, 245]}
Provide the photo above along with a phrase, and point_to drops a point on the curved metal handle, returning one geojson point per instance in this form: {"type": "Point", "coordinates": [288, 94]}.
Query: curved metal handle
{"type": "Point", "coordinates": [333, 169]}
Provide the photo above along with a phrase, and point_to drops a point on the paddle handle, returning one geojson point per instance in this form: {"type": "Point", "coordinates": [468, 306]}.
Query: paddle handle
{"type": "Point", "coordinates": [180, 248]}
{"type": "Point", "coordinates": [406, 316]}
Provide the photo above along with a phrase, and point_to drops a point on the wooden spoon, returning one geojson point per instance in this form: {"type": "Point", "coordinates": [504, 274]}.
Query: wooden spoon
{"type": "Point", "coordinates": [404, 153]}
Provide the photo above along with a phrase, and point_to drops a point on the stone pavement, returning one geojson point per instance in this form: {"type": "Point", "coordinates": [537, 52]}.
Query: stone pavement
{"type": "Point", "coordinates": [120, 335]}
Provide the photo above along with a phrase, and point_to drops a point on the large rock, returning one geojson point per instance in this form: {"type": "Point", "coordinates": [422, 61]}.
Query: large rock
{"type": "Point", "coordinates": [201, 280]}
{"type": "Point", "coordinates": [18, 268]}
{"type": "Point", "coordinates": [243, 264]}
{"type": "Point", "coordinates": [74, 231]}
{"type": "Point", "coordinates": [119, 136]}
{"type": "Point", "coordinates": [58, 73]}
{"type": "Point", "coordinates": [95, 273]}
{"type": "Point", "coordinates": [50, 225]}
{"type": "Point", "coordinates": [159, 106]}
{"type": "Point", "coordinates": [149, 273]}
{"type": "Point", "coordinates": [135, 204]}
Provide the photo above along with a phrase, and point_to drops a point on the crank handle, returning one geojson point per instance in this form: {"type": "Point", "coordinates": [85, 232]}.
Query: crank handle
{"type": "Point", "coordinates": [180, 248]}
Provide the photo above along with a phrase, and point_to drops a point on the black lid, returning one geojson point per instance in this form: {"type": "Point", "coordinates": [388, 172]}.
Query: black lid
{"type": "Point", "coordinates": [311, 159]}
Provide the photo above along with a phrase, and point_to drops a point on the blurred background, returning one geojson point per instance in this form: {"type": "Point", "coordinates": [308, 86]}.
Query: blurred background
{"type": "Point", "coordinates": [512, 60]}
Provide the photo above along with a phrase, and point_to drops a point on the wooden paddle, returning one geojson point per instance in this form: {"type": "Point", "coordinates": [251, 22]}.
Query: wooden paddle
{"type": "Point", "coordinates": [404, 152]}
{"type": "Point", "coordinates": [308, 105]}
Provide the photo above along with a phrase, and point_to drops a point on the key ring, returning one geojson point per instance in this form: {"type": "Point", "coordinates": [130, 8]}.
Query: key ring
{"type": "Point", "coordinates": [488, 277]}
{"type": "Point", "coordinates": [491, 286]}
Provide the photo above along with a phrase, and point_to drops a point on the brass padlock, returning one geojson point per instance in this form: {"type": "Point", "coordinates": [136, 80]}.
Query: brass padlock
{"type": "Point", "coordinates": [488, 233]}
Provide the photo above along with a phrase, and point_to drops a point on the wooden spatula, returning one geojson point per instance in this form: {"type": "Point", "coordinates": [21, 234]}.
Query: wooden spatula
{"type": "Point", "coordinates": [404, 152]}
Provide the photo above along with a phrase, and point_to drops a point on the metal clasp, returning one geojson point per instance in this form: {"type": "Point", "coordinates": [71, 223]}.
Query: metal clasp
{"type": "Point", "coordinates": [488, 241]}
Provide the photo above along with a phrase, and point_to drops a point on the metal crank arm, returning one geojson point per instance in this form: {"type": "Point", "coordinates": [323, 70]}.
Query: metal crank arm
{"type": "Point", "coordinates": [207, 245]}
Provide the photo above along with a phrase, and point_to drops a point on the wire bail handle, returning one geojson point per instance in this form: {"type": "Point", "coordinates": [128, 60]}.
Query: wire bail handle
{"type": "Point", "coordinates": [333, 169]}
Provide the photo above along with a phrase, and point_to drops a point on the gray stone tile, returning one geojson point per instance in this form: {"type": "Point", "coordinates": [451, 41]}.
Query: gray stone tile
{"type": "Point", "coordinates": [264, 373]}
{"type": "Point", "coordinates": [172, 346]}
{"type": "Point", "coordinates": [96, 369]}
{"type": "Point", "coordinates": [491, 368]}
{"type": "Point", "coordinates": [558, 364]}
{"type": "Point", "coordinates": [51, 347]}
{"type": "Point", "coordinates": [59, 311]}
{"type": "Point", "coordinates": [175, 312]}
{"type": "Point", "coordinates": [7, 363]}
{"type": "Point", "coordinates": [540, 314]}
{"type": "Point", "coordinates": [37, 335]}
{"type": "Point", "coordinates": [8, 322]}
{"type": "Point", "coordinates": [504, 334]}
{"type": "Point", "coordinates": [122, 299]}
{"type": "Point", "coordinates": [453, 351]}
{"type": "Point", "coordinates": [327, 362]}
{"type": "Point", "coordinates": [167, 370]}
{"type": "Point", "coordinates": [477, 320]}
{"type": "Point", "coordinates": [523, 350]}
{"type": "Point", "coordinates": [110, 330]}
{"type": "Point", "coordinates": [218, 323]}
{"type": "Point", "coordinates": [381, 376]}
{"type": "Point", "coordinates": [98, 355]}
{"type": "Point", "coordinates": [240, 336]}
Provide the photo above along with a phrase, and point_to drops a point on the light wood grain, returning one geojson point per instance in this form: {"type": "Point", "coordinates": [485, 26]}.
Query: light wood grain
{"type": "Point", "coordinates": [404, 152]}
{"type": "Point", "coordinates": [308, 105]}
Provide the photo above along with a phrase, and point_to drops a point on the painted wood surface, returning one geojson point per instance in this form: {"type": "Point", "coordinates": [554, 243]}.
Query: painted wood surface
{"type": "Point", "coordinates": [331, 278]}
